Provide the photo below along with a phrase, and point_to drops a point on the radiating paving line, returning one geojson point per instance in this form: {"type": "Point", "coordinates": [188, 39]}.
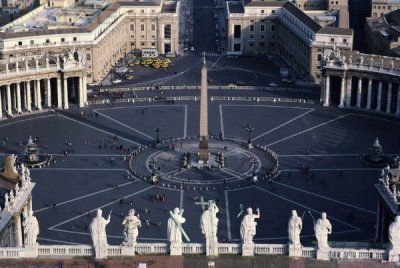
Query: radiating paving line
{"type": "Point", "coordinates": [79, 169]}
{"type": "Point", "coordinates": [327, 198]}
{"type": "Point", "coordinates": [58, 241]}
{"type": "Point", "coordinates": [125, 125]}
{"type": "Point", "coordinates": [83, 196]}
{"type": "Point", "coordinates": [102, 206]}
{"type": "Point", "coordinates": [308, 208]}
{"type": "Point", "coordinates": [328, 155]}
{"type": "Point", "coordinates": [27, 119]}
{"type": "Point", "coordinates": [284, 124]}
{"type": "Point", "coordinates": [185, 123]}
{"type": "Point", "coordinates": [228, 218]}
{"type": "Point", "coordinates": [221, 121]}
{"type": "Point", "coordinates": [309, 129]}
{"type": "Point", "coordinates": [101, 130]}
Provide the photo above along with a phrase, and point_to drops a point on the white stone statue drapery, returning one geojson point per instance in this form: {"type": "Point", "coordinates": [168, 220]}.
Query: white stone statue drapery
{"type": "Point", "coordinates": [248, 226]}
{"type": "Point", "coordinates": [322, 228]}
{"type": "Point", "coordinates": [174, 234]}
{"type": "Point", "coordinates": [98, 233]}
{"type": "Point", "coordinates": [131, 224]}
{"type": "Point", "coordinates": [31, 229]}
{"type": "Point", "coordinates": [294, 229]}
{"type": "Point", "coordinates": [209, 227]}
{"type": "Point", "coordinates": [394, 235]}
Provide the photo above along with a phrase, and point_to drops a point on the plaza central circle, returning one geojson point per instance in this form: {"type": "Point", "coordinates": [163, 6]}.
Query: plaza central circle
{"type": "Point", "coordinates": [173, 163]}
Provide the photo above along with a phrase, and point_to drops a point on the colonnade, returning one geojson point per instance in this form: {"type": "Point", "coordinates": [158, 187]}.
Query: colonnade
{"type": "Point", "coordinates": [26, 96]}
{"type": "Point", "coordinates": [362, 92]}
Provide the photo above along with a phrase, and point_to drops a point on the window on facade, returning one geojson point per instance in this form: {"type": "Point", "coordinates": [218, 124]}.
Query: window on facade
{"type": "Point", "coordinates": [237, 31]}
{"type": "Point", "coordinates": [272, 28]}
{"type": "Point", "coordinates": [332, 39]}
{"type": "Point", "coordinates": [132, 36]}
{"type": "Point", "coordinates": [153, 27]}
{"type": "Point", "coordinates": [132, 27]}
{"type": "Point", "coordinates": [75, 39]}
{"type": "Point", "coordinates": [262, 11]}
{"type": "Point", "coordinates": [47, 41]}
{"type": "Point", "coordinates": [32, 42]}
{"type": "Point", "coordinates": [20, 43]}
{"type": "Point", "coordinates": [236, 47]}
{"type": "Point", "coordinates": [251, 36]}
{"type": "Point", "coordinates": [251, 28]}
{"type": "Point", "coordinates": [142, 11]}
{"type": "Point", "coordinates": [319, 57]}
{"type": "Point", "coordinates": [167, 31]}
{"type": "Point", "coordinates": [344, 40]}
{"type": "Point", "coordinates": [142, 44]}
{"type": "Point", "coordinates": [62, 39]}
{"type": "Point", "coordinates": [251, 44]}
{"type": "Point", "coordinates": [153, 44]}
{"type": "Point", "coordinates": [142, 27]}
{"type": "Point", "coordinates": [262, 28]}
{"type": "Point", "coordinates": [262, 44]}
{"type": "Point", "coordinates": [87, 56]}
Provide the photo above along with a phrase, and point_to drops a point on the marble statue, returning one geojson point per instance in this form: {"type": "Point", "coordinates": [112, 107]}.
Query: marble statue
{"type": "Point", "coordinates": [31, 229]}
{"type": "Point", "coordinates": [131, 224]}
{"type": "Point", "coordinates": [394, 234]}
{"type": "Point", "coordinates": [209, 227]}
{"type": "Point", "coordinates": [371, 62]}
{"type": "Point", "coordinates": [26, 64]}
{"type": "Point", "coordinates": [294, 229]}
{"type": "Point", "coordinates": [248, 226]}
{"type": "Point", "coordinates": [58, 62]}
{"type": "Point", "coordinates": [322, 228]}
{"type": "Point", "coordinates": [98, 233]}
{"type": "Point", "coordinates": [361, 60]}
{"type": "Point", "coordinates": [392, 64]}
{"type": "Point", "coordinates": [10, 172]}
{"type": "Point", "coordinates": [71, 56]}
{"type": "Point", "coordinates": [6, 202]}
{"type": "Point", "coordinates": [16, 66]}
{"type": "Point", "coordinates": [174, 233]}
{"type": "Point", "coordinates": [16, 189]}
{"type": "Point", "coordinates": [47, 61]}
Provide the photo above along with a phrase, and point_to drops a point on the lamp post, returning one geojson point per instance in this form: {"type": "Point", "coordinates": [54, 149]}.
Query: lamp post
{"type": "Point", "coordinates": [157, 129]}
{"type": "Point", "coordinates": [249, 128]}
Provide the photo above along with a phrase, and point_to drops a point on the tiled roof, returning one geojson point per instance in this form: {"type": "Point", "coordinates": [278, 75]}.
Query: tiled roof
{"type": "Point", "coordinates": [300, 15]}
{"type": "Point", "coordinates": [336, 31]}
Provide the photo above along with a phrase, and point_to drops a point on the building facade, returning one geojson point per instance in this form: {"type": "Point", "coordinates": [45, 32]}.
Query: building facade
{"type": "Point", "coordinates": [103, 35]}
{"type": "Point", "coordinates": [380, 8]}
{"type": "Point", "coordinates": [363, 81]}
{"type": "Point", "coordinates": [282, 28]}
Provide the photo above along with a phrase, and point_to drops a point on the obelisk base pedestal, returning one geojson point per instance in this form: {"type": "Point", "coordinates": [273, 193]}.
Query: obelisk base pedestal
{"type": "Point", "coordinates": [203, 153]}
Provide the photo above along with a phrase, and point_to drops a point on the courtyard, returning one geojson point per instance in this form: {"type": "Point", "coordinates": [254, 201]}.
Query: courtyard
{"type": "Point", "coordinates": [90, 169]}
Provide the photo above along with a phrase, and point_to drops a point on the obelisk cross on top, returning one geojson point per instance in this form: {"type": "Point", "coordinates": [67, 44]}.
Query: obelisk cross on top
{"type": "Point", "coordinates": [203, 146]}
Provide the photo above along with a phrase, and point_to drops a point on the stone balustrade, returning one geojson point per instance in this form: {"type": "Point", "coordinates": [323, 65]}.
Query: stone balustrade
{"type": "Point", "coordinates": [69, 251]}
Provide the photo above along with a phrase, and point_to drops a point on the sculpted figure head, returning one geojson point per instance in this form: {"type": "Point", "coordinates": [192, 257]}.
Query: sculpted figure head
{"type": "Point", "coordinates": [397, 219]}
{"type": "Point", "coordinates": [323, 215]}
{"type": "Point", "coordinates": [294, 213]}
{"type": "Point", "coordinates": [249, 211]}
{"type": "Point", "coordinates": [177, 211]}
{"type": "Point", "coordinates": [99, 212]}
{"type": "Point", "coordinates": [131, 212]}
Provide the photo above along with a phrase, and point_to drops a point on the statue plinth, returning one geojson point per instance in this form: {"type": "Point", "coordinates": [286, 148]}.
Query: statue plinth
{"type": "Point", "coordinates": [211, 248]}
{"type": "Point", "coordinates": [128, 250]}
{"type": "Point", "coordinates": [101, 252]}
{"type": "Point", "coordinates": [294, 250]}
{"type": "Point", "coordinates": [175, 249]}
{"type": "Point", "coordinates": [203, 146]}
{"type": "Point", "coordinates": [31, 251]}
{"type": "Point", "coordinates": [394, 255]}
{"type": "Point", "coordinates": [323, 254]}
{"type": "Point", "coordinates": [248, 250]}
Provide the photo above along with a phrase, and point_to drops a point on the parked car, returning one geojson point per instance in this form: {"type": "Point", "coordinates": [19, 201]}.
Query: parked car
{"type": "Point", "coordinates": [116, 81]}
{"type": "Point", "coordinates": [273, 84]}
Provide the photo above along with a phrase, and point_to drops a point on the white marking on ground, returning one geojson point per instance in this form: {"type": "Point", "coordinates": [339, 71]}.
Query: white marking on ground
{"type": "Point", "coordinates": [308, 208]}
{"type": "Point", "coordinates": [80, 169]}
{"type": "Point", "coordinates": [102, 206]}
{"type": "Point", "coordinates": [125, 125]}
{"type": "Point", "coordinates": [221, 121]}
{"type": "Point", "coordinates": [228, 219]}
{"type": "Point", "coordinates": [185, 123]}
{"type": "Point", "coordinates": [98, 129]}
{"type": "Point", "coordinates": [27, 119]}
{"type": "Point", "coordinates": [284, 124]}
{"type": "Point", "coordinates": [309, 129]}
{"type": "Point", "coordinates": [140, 106]}
{"type": "Point", "coordinates": [271, 106]}
{"type": "Point", "coordinates": [181, 200]}
{"type": "Point", "coordinates": [83, 196]}
{"type": "Point", "coordinates": [333, 169]}
{"type": "Point", "coordinates": [58, 241]}
{"type": "Point", "coordinates": [325, 197]}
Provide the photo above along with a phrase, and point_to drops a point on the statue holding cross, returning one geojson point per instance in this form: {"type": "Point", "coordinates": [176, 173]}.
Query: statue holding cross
{"type": "Point", "coordinates": [209, 227]}
{"type": "Point", "coordinates": [175, 231]}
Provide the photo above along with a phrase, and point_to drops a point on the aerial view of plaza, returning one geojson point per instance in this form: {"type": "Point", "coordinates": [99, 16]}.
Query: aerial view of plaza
{"type": "Point", "coordinates": [199, 133]}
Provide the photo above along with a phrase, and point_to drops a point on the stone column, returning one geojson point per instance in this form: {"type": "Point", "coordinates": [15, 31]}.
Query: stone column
{"type": "Point", "coordinates": [59, 94]}
{"type": "Point", "coordinates": [379, 97]}
{"type": "Point", "coordinates": [18, 230]}
{"type": "Point", "coordinates": [18, 89]}
{"type": "Point", "coordinates": [342, 92]}
{"type": "Point", "coordinates": [28, 96]}
{"type": "Point", "coordinates": [48, 90]}
{"type": "Point", "coordinates": [14, 98]}
{"type": "Point", "coordinates": [35, 94]}
{"type": "Point", "coordinates": [327, 90]}
{"type": "Point", "coordinates": [38, 95]}
{"type": "Point", "coordinates": [369, 94]}
{"type": "Point", "coordinates": [25, 100]}
{"type": "Point", "coordinates": [398, 101]}
{"type": "Point", "coordinates": [349, 83]}
{"type": "Point", "coordinates": [8, 92]}
{"type": "Point", "coordinates": [84, 89]}
{"type": "Point", "coordinates": [66, 106]}
{"type": "Point", "coordinates": [81, 97]}
{"type": "Point", "coordinates": [359, 92]}
{"type": "Point", "coordinates": [389, 98]}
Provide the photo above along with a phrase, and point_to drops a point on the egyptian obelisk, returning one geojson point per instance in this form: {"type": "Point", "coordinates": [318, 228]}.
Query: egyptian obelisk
{"type": "Point", "coordinates": [203, 154]}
